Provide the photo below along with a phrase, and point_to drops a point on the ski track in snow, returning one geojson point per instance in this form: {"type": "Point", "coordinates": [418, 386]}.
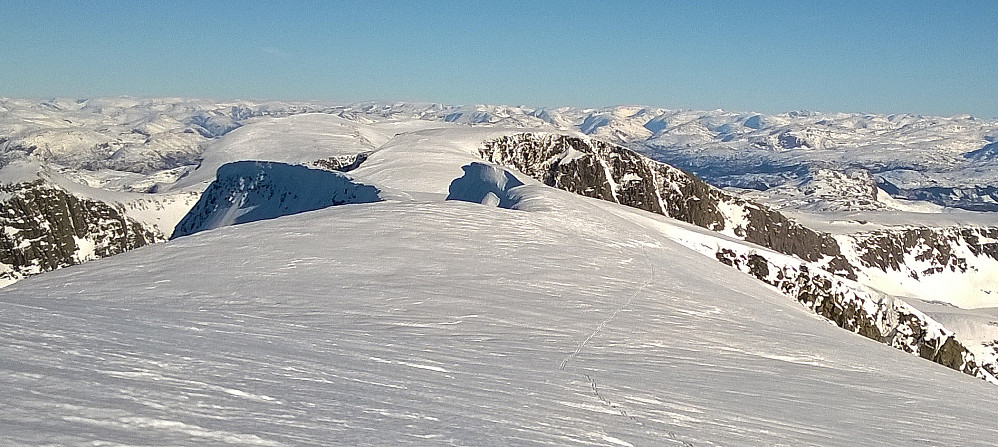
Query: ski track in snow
{"type": "Point", "coordinates": [650, 278]}
{"type": "Point", "coordinates": [448, 323]}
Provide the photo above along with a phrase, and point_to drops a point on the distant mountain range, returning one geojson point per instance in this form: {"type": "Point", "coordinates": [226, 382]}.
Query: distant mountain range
{"type": "Point", "coordinates": [651, 240]}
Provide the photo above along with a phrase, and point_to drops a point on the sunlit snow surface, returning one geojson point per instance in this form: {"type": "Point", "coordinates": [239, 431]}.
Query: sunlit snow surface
{"type": "Point", "coordinates": [451, 323]}
{"type": "Point", "coordinates": [563, 321]}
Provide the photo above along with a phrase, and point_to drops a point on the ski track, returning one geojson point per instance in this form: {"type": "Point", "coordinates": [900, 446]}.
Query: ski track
{"type": "Point", "coordinates": [367, 343]}
{"type": "Point", "coordinates": [414, 323]}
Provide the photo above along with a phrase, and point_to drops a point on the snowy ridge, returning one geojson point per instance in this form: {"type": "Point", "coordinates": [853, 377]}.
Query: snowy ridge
{"type": "Point", "coordinates": [814, 278]}
{"type": "Point", "coordinates": [576, 322]}
{"type": "Point", "coordinates": [248, 191]}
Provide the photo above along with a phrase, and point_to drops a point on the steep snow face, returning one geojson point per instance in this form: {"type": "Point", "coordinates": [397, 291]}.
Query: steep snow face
{"type": "Point", "coordinates": [450, 323]}
{"type": "Point", "coordinates": [248, 191]}
{"type": "Point", "coordinates": [987, 153]}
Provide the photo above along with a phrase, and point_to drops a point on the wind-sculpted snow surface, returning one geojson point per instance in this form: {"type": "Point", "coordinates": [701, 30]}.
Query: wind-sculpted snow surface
{"type": "Point", "coordinates": [447, 323]}
{"type": "Point", "coordinates": [248, 191]}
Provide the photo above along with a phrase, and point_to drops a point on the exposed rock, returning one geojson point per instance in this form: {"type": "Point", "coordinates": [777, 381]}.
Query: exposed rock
{"type": "Point", "coordinates": [342, 163]}
{"type": "Point", "coordinates": [46, 227]}
{"type": "Point", "coordinates": [937, 247]}
{"type": "Point", "coordinates": [858, 310]}
{"type": "Point", "coordinates": [605, 171]}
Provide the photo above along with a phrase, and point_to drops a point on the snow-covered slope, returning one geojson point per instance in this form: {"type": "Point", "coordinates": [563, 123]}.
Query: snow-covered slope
{"type": "Point", "coordinates": [452, 323]}
{"type": "Point", "coordinates": [246, 191]}
{"type": "Point", "coordinates": [532, 315]}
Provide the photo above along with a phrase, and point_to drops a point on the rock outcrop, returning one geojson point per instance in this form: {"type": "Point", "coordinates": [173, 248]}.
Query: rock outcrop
{"type": "Point", "coordinates": [936, 249]}
{"type": "Point", "coordinates": [605, 171]}
{"type": "Point", "coordinates": [46, 227]}
{"type": "Point", "coordinates": [822, 276]}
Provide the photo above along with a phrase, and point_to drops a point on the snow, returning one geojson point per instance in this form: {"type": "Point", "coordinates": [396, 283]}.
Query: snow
{"type": "Point", "coordinates": [85, 249]}
{"type": "Point", "coordinates": [419, 320]}
{"type": "Point", "coordinates": [247, 191]}
{"type": "Point", "coordinates": [352, 342]}
{"type": "Point", "coordinates": [297, 139]}
{"type": "Point", "coordinates": [485, 184]}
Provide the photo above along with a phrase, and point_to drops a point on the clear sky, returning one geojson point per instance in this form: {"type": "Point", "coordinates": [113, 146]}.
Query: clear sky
{"type": "Point", "coordinates": [938, 57]}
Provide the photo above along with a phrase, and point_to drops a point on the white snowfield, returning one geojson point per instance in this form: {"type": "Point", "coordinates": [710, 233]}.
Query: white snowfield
{"type": "Point", "coordinates": [423, 321]}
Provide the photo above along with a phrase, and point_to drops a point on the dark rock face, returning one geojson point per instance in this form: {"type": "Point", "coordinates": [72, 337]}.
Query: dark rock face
{"type": "Point", "coordinates": [605, 171]}
{"type": "Point", "coordinates": [342, 163]}
{"type": "Point", "coordinates": [44, 227]}
{"type": "Point", "coordinates": [888, 321]}
{"type": "Point", "coordinates": [887, 250]}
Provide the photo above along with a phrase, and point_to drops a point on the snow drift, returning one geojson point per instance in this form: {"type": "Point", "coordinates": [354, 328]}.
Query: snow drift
{"type": "Point", "coordinates": [248, 191]}
{"type": "Point", "coordinates": [485, 184]}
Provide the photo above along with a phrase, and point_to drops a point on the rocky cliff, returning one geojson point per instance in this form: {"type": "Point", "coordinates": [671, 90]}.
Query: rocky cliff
{"type": "Point", "coordinates": [819, 273]}
{"type": "Point", "coordinates": [46, 227]}
{"type": "Point", "coordinates": [605, 171]}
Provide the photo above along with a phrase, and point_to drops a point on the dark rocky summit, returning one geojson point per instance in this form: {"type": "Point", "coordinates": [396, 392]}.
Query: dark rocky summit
{"type": "Point", "coordinates": [46, 227]}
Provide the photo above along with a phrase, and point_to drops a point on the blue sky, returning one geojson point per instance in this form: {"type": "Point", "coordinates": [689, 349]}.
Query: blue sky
{"type": "Point", "coordinates": [767, 56]}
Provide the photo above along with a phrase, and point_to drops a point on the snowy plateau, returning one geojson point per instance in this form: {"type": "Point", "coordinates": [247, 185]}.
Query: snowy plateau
{"type": "Point", "coordinates": [189, 272]}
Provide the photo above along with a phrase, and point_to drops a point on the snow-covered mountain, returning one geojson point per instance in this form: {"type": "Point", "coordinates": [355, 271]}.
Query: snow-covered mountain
{"type": "Point", "coordinates": [943, 160]}
{"type": "Point", "coordinates": [347, 219]}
